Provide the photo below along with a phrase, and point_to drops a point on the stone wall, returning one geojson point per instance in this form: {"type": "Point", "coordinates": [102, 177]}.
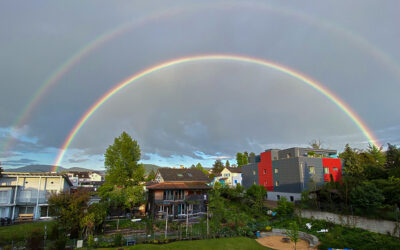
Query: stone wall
{"type": "Point", "coordinates": [377, 226]}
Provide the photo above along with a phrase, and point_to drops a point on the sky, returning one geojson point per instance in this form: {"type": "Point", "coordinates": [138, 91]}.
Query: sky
{"type": "Point", "coordinates": [196, 111]}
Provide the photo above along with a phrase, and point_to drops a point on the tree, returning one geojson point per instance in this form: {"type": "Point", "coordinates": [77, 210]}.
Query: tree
{"type": "Point", "coordinates": [252, 154]}
{"type": "Point", "coordinates": [285, 208]}
{"type": "Point", "coordinates": [200, 167]}
{"type": "Point", "coordinates": [351, 162]}
{"type": "Point", "coordinates": [151, 176]}
{"type": "Point", "coordinates": [392, 157]}
{"type": "Point", "coordinates": [218, 166]}
{"type": "Point", "coordinates": [316, 144]}
{"type": "Point", "coordinates": [70, 208]}
{"type": "Point", "coordinates": [239, 159]}
{"type": "Point", "coordinates": [227, 164]}
{"type": "Point", "coordinates": [121, 162]}
{"type": "Point", "coordinates": [293, 233]}
{"type": "Point", "coordinates": [366, 196]}
{"type": "Point", "coordinates": [256, 195]}
{"type": "Point", "coordinates": [122, 186]}
{"type": "Point", "coordinates": [193, 166]}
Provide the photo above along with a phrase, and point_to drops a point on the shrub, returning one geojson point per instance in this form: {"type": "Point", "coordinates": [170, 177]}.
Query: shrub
{"type": "Point", "coordinates": [91, 242]}
{"type": "Point", "coordinates": [35, 239]}
{"type": "Point", "coordinates": [118, 240]}
{"type": "Point", "coordinates": [285, 208]}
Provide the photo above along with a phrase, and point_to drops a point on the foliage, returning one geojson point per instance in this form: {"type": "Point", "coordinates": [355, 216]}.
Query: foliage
{"type": "Point", "coordinates": [285, 208]}
{"type": "Point", "coordinates": [218, 166]}
{"type": "Point", "coordinates": [121, 162]}
{"type": "Point", "coordinates": [122, 186]}
{"type": "Point", "coordinates": [293, 233]}
{"type": "Point", "coordinates": [393, 157]}
{"type": "Point", "coordinates": [151, 176]}
{"type": "Point", "coordinates": [367, 196]}
{"type": "Point", "coordinates": [199, 167]}
{"type": "Point", "coordinates": [35, 239]}
{"type": "Point", "coordinates": [118, 240]}
{"type": "Point", "coordinates": [242, 159]}
{"type": "Point", "coordinates": [316, 144]}
{"type": "Point", "coordinates": [70, 208]}
{"type": "Point", "coordinates": [351, 163]}
{"type": "Point", "coordinates": [227, 164]}
{"type": "Point", "coordinates": [256, 195]}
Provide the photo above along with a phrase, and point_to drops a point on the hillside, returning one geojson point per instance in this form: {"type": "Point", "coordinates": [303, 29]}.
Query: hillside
{"type": "Point", "coordinates": [48, 168]}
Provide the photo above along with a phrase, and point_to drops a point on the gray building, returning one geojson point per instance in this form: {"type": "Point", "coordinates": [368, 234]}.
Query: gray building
{"type": "Point", "coordinates": [287, 173]}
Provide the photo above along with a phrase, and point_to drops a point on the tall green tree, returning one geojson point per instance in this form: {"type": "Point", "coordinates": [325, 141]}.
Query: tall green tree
{"type": "Point", "coordinates": [293, 233]}
{"type": "Point", "coordinates": [392, 157]}
{"type": "Point", "coordinates": [121, 162]}
{"type": "Point", "coordinates": [227, 164]}
{"type": "Point", "coordinates": [218, 166]}
{"type": "Point", "coordinates": [239, 159]}
{"type": "Point", "coordinates": [151, 175]}
{"type": "Point", "coordinates": [367, 196]}
{"type": "Point", "coordinates": [124, 174]}
{"type": "Point", "coordinates": [351, 162]}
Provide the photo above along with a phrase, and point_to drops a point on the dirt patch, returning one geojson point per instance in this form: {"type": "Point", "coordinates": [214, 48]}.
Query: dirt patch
{"type": "Point", "coordinates": [276, 242]}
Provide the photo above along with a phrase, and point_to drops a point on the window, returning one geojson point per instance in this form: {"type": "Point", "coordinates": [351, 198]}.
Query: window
{"type": "Point", "coordinates": [326, 170]}
{"type": "Point", "coordinates": [311, 170]}
{"type": "Point", "coordinates": [278, 197]}
{"type": "Point", "coordinates": [288, 155]}
{"type": "Point", "coordinates": [4, 197]}
{"type": "Point", "coordinates": [334, 169]}
{"type": "Point", "coordinates": [291, 198]}
{"type": "Point", "coordinates": [235, 181]}
{"type": "Point", "coordinates": [254, 182]}
{"type": "Point", "coordinates": [254, 172]}
{"type": "Point", "coordinates": [275, 158]}
{"type": "Point", "coordinates": [265, 171]}
{"type": "Point", "coordinates": [276, 170]}
{"type": "Point", "coordinates": [276, 183]}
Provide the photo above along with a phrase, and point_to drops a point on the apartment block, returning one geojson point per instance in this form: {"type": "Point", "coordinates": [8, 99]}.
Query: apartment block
{"type": "Point", "coordinates": [24, 196]}
{"type": "Point", "coordinates": [288, 172]}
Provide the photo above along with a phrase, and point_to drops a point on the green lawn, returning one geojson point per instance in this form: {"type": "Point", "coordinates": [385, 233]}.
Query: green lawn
{"type": "Point", "coordinates": [225, 243]}
{"type": "Point", "coordinates": [20, 231]}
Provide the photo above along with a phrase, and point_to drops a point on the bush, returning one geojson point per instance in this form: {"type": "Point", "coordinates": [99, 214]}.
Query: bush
{"type": "Point", "coordinates": [59, 243]}
{"type": "Point", "coordinates": [35, 239]}
{"type": "Point", "coordinates": [285, 208]}
{"type": "Point", "coordinates": [91, 242]}
{"type": "Point", "coordinates": [118, 240]}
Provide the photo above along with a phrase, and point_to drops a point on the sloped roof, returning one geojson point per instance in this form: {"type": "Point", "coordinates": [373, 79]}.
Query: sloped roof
{"type": "Point", "coordinates": [235, 170]}
{"type": "Point", "coordinates": [172, 174]}
{"type": "Point", "coordinates": [179, 185]}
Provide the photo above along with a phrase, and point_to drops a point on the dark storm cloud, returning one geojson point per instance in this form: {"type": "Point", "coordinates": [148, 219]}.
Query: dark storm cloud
{"type": "Point", "coordinates": [213, 107]}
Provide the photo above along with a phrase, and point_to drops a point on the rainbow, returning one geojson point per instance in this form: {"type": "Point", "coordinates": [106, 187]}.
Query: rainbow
{"type": "Point", "coordinates": [83, 52]}
{"type": "Point", "coordinates": [216, 57]}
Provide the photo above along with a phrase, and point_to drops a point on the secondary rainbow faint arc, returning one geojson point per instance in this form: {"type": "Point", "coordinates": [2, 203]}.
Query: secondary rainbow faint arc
{"type": "Point", "coordinates": [81, 53]}
{"type": "Point", "coordinates": [216, 57]}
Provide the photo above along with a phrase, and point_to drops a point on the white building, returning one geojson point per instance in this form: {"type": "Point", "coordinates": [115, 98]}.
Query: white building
{"type": "Point", "coordinates": [230, 176]}
{"type": "Point", "coordinates": [25, 195]}
{"type": "Point", "coordinates": [85, 179]}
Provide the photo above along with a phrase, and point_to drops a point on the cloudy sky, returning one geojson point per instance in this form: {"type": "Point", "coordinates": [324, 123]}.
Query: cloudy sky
{"type": "Point", "coordinates": [197, 111]}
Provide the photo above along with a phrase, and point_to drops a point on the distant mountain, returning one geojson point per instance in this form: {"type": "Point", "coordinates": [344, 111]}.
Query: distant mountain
{"type": "Point", "coordinates": [34, 169]}
{"type": "Point", "coordinates": [48, 168]}
{"type": "Point", "coordinates": [149, 167]}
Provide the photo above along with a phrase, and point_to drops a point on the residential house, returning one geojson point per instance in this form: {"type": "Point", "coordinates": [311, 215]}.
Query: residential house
{"type": "Point", "coordinates": [87, 179]}
{"type": "Point", "coordinates": [177, 193]}
{"type": "Point", "coordinates": [24, 196]}
{"type": "Point", "coordinates": [288, 172]}
{"type": "Point", "coordinates": [229, 176]}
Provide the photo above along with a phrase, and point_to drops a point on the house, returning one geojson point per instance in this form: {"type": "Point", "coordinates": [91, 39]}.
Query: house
{"type": "Point", "coordinates": [24, 196]}
{"type": "Point", "coordinates": [288, 172]}
{"type": "Point", "coordinates": [177, 193]}
{"type": "Point", "coordinates": [229, 176]}
{"type": "Point", "coordinates": [88, 179]}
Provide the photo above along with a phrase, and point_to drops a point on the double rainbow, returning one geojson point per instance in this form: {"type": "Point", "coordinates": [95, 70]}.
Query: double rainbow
{"type": "Point", "coordinates": [216, 57]}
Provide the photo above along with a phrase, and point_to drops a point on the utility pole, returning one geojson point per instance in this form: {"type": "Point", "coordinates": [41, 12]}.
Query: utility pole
{"type": "Point", "coordinates": [187, 221]}
{"type": "Point", "coordinates": [166, 224]}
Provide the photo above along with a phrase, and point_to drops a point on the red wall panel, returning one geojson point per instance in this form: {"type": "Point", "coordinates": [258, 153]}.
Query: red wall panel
{"type": "Point", "coordinates": [332, 163]}
{"type": "Point", "coordinates": [265, 175]}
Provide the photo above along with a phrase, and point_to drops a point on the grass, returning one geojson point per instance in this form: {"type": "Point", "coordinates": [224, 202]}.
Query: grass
{"type": "Point", "coordinates": [225, 243]}
{"type": "Point", "coordinates": [19, 232]}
